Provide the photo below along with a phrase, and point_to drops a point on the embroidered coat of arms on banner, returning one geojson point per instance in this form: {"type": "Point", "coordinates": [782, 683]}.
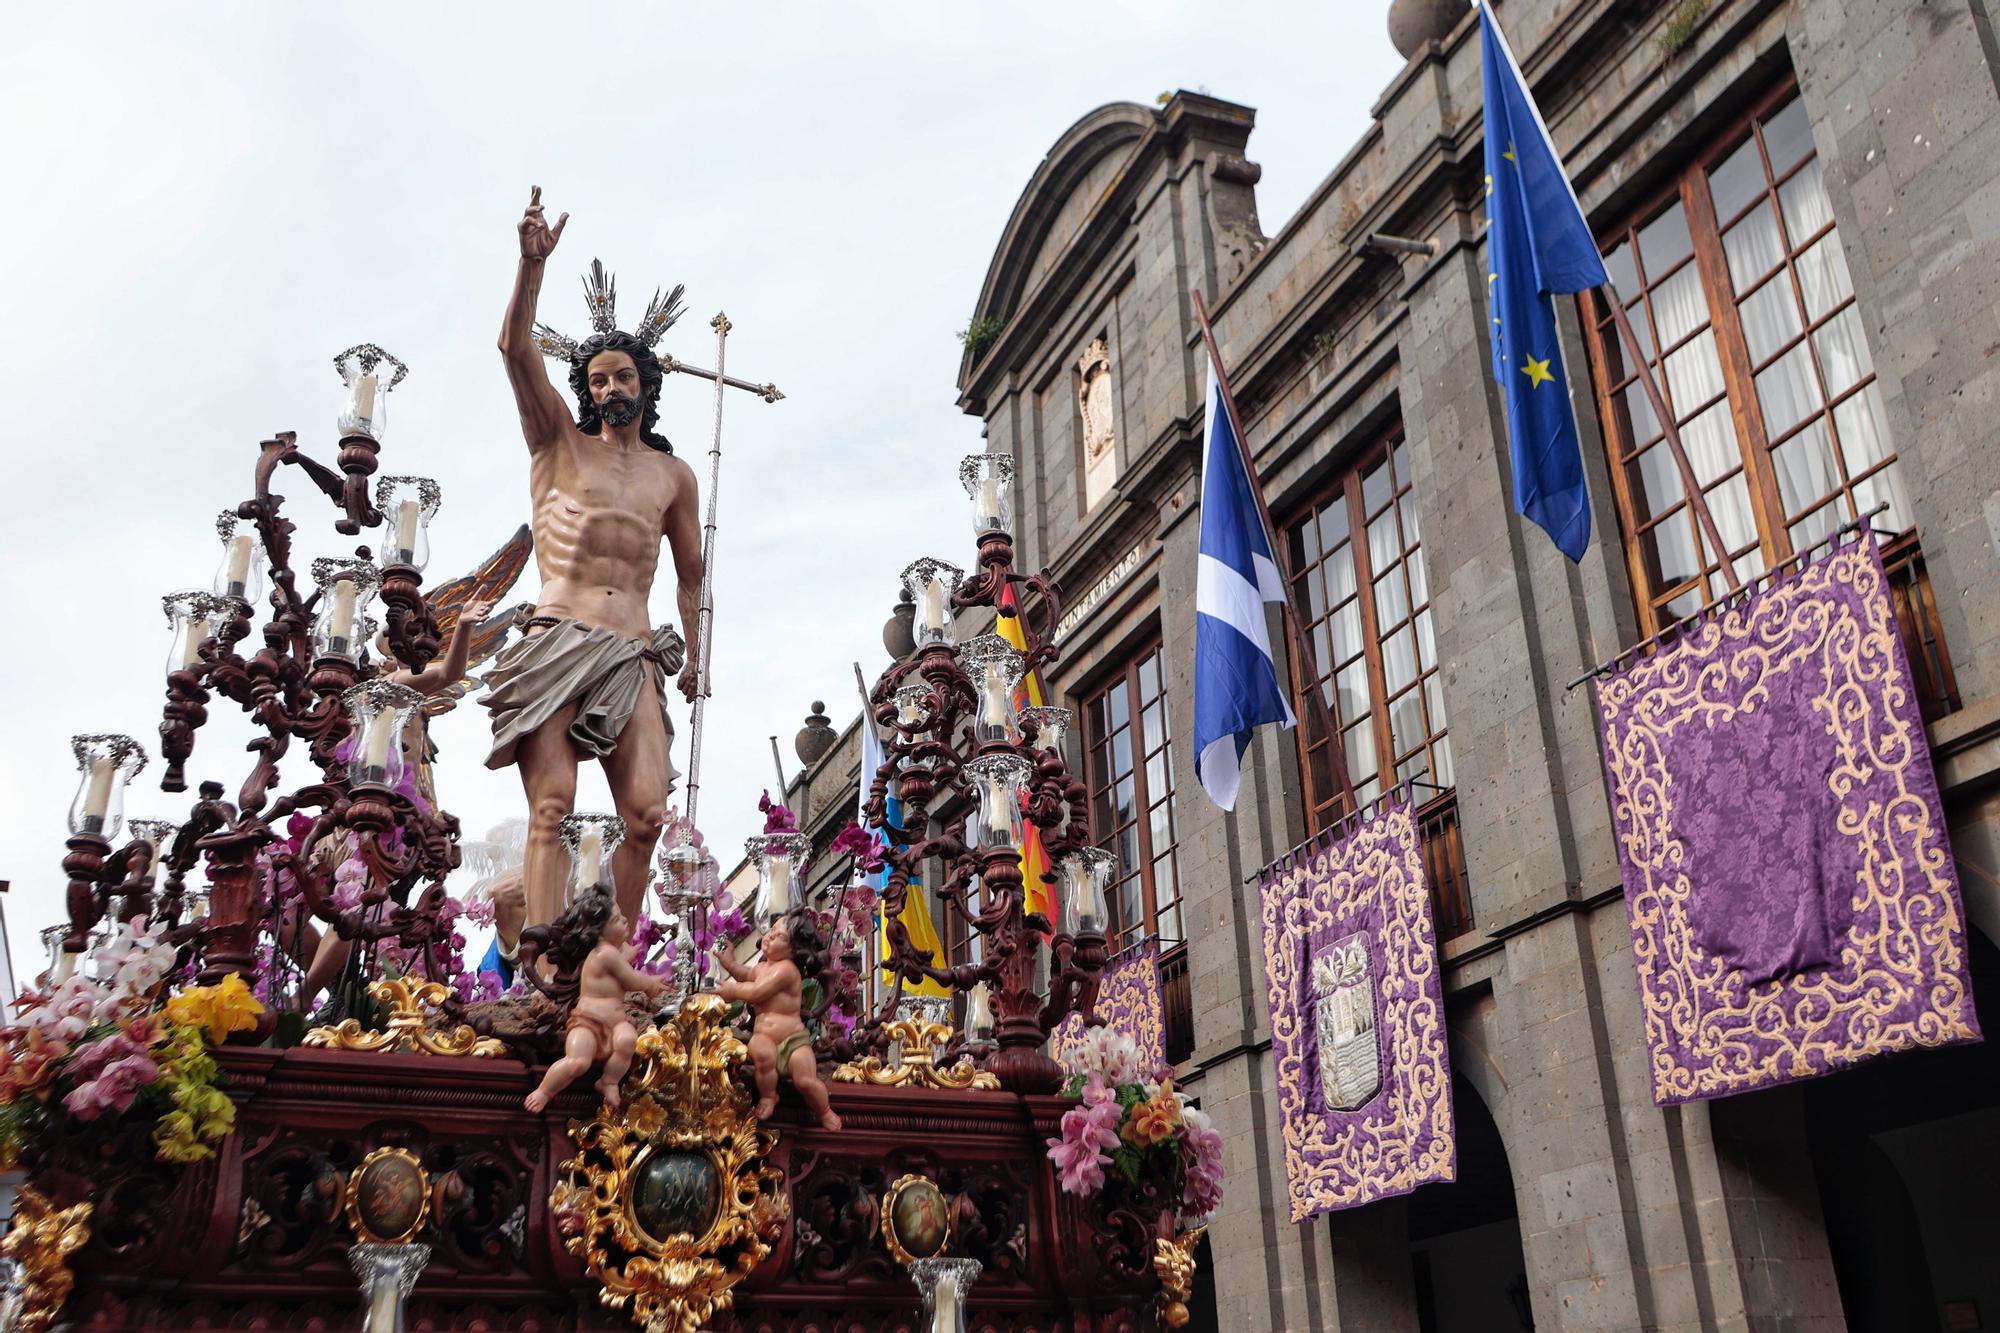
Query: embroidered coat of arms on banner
{"type": "Point", "coordinates": [1129, 1001]}
{"type": "Point", "coordinates": [1357, 1015]}
{"type": "Point", "coordinates": [1794, 904]}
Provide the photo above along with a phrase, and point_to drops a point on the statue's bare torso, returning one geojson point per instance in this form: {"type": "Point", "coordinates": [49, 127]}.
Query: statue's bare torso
{"type": "Point", "coordinates": [599, 512]}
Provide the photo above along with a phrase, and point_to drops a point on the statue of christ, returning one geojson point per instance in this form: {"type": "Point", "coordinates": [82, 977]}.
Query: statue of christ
{"type": "Point", "coordinates": [588, 679]}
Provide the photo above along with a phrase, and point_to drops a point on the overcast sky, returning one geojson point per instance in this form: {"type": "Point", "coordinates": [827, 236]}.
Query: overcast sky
{"type": "Point", "coordinates": [203, 203]}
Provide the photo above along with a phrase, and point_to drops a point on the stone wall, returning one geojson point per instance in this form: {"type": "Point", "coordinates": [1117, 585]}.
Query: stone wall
{"type": "Point", "coordinates": [1630, 1216]}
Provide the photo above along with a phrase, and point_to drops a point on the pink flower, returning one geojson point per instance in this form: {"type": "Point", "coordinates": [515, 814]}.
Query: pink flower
{"type": "Point", "coordinates": [1202, 1193]}
{"type": "Point", "coordinates": [867, 849]}
{"type": "Point", "coordinates": [777, 818]}
{"type": "Point", "coordinates": [1089, 1133]}
{"type": "Point", "coordinates": [473, 986]}
{"type": "Point", "coordinates": [114, 1088]}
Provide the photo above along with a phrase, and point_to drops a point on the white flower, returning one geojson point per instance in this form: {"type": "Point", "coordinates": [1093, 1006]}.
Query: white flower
{"type": "Point", "coordinates": [135, 960]}
{"type": "Point", "coordinates": [1109, 1054]}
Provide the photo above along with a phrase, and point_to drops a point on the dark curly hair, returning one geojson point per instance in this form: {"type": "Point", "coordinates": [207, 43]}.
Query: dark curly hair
{"type": "Point", "coordinates": [651, 377]}
{"type": "Point", "coordinates": [809, 947]}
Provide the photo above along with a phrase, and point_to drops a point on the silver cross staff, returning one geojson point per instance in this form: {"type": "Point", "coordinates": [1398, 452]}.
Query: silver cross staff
{"type": "Point", "coordinates": [682, 860]}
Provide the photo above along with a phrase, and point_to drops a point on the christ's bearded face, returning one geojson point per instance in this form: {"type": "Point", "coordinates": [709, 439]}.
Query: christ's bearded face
{"type": "Point", "coordinates": [614, 388]}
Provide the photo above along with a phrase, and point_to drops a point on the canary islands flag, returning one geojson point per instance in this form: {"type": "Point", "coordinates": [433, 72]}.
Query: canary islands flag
{"type": "Point", "coordinates": [916, 914]}
{"type": "Point", "coordinates": [1537, 243]}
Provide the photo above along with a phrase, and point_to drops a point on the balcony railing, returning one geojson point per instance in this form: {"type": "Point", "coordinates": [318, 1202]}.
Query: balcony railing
{"type": "Point", "coordinates": [1444, 865]}
{"type": "Point", "coordinates": [1923, 637]}
{"type": "Point", "coordinates": [1177, 999]}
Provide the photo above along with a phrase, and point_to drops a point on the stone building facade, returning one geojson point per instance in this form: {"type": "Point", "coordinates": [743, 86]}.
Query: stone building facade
{"type": "Point", "coordinates": [1806, 195]}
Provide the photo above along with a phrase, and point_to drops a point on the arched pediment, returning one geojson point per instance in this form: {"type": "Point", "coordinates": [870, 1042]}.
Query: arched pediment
{"type": "Point", "coordinates": [1059, 200]}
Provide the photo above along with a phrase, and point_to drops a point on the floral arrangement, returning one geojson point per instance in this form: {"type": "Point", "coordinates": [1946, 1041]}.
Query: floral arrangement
{"type": "Point", "coordinates": [1130, 1125]}
{"type": "Point", "coordinates": [93, 1050]}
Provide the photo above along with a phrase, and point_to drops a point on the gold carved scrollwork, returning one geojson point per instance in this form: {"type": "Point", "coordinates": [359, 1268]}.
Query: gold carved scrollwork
{"type": "Point", "coordinates": [1173, 1261]}
{"type": "Point", "coordinates": [41, 1239]}
{"type": "Point", "coordinates": [685, 1111]}
{"type": "Point", "coordinates": [921, 1043]}
{"type": "Point", "coordinates": [409, 1025]}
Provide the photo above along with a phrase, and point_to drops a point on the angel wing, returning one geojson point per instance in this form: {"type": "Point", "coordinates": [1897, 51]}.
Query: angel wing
{"type": "Point", "coordinates": [487, 636]}
{"type": "Point", "coordinates": [489, 582]}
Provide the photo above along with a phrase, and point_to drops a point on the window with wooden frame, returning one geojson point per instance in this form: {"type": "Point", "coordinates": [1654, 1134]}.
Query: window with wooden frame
{"type": "Point", "coordinates": [1738, 292]}
{"type": "Point", "coordinates": [1128, 765]}
{"type": "Point", "coordinates": [1359, 581]}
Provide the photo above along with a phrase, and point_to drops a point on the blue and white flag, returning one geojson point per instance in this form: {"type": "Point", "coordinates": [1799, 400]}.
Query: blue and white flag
{"type": "Point", "coordinates": [1536, 243]}
{"type": "Point", "coordinates": [1236, 686]}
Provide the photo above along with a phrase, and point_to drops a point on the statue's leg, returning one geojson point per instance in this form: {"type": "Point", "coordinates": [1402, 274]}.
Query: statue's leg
{"type": "Point", "coordinates": [805, 1077]}
{"type": "Point", "coordinates": [637, 773]}
{"type": "Point", "coordinates": [328, 958]}
{"type": "Point", "coordinates": [547, 760]}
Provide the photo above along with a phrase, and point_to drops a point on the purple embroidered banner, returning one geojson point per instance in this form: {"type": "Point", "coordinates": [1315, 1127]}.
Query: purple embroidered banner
{"type": "Point", "coordinates": [1129, 1001]}
{"type": "Point", "coordinates": [1794, 904]}
{"type": "Point", "coordinates": [1357, 1015]}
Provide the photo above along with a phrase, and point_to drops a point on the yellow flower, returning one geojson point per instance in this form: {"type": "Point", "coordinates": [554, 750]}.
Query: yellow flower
{"type": "Point", "coordinates": [1154, 1120]}
{"type": "Point", "coordinates": [218, 1010]}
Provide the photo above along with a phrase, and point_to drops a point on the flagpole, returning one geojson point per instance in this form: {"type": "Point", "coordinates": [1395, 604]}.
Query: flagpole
{"type": "Point", "coordinates": [1689, 486]}
{"type": "Point", "coordinates": [1665, 417]}
{"type": "Point", "coordinates": [1294, 631]}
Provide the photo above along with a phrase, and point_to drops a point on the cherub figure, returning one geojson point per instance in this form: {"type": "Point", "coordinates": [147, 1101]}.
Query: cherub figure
{"type": "Point", "coordinates": [779, 1041]}
{"type": "Point", "coordinates": [598, 1028]}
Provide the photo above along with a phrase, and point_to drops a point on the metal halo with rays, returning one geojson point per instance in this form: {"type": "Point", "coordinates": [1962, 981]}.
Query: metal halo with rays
{"type": "Point", "coordinates": [600, 298]}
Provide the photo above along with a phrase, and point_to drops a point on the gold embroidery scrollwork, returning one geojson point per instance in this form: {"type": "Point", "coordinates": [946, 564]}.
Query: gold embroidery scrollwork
{"type": "Point", "coordinates": [409, 1025]}
{"type": "Point", "coordinates": [918, 1067]}
{"type": "Point", "coordinates": [1899, 979]}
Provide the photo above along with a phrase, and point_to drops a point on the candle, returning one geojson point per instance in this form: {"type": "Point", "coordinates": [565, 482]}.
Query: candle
{"type": "Point", "coordinates": [65, 966]}
{"type": "Point", "coordinates": [994, 705]}
{"type": "Point", "coordinates": [385, 1306]}
{"type": "Point", "coordinates": [999, 820]}
{"type": "Point", "coordinates": [237, 576]}
{"type": "Point", "coordinates": [979, 1010]}
{"type": "Point", "coordinates": [197, 634]}
{"type": "Point", "coordinates": [934, 604]}
{"type": "Point", "coordinates": [777, 886]}
{"type": "Point", "coordinates": [97, 797]}
{"type": "Point", "coordinates": [375, 745]}
{"type": "Point", "coordinates": [590, 857]}
{"type": "Point", "coordinates": [340, 625]}
{"type": "Point", "coordinates": [945, 1319]}
{"type": "Point", "coordinates": [364, 400]}
{"type": "Point", "coordinates": [406, 533]}
{"type": "Point", "coordinates": [989, 502]}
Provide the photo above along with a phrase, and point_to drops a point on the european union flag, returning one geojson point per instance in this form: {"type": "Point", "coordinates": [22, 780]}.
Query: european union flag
{"type": "Point", "coordinates": [1537, 243]}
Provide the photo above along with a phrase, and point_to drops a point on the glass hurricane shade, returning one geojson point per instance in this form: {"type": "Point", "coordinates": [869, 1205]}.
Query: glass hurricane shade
{"type": "Point", "coordinates": [378, 710]}
{"type": "Point", "coordinates": [590, 840]}
{"type": "Point", "coordinates": [1051, 726]}
{"type": "Point", "coordinates": [931, 583]}
{"type": "Point", "coordinates": [989, 480]}
{"type": "Point", "coordinates": [195, 618]}
{"type": "Point", "coordinates": [364, 409]}
{"type": "Point", "coordinates": [997, 780]}
{"type": "Point", "coordinates": [781, 861]}
{"type": "Point", "coordinates": [241, 573]}
{"type": "Point", "coordinates": [107, 763]}
{"type": "Point", "coordinates": [1084, 906]}
{"type": "Point", "coordinates": [995, 669]}
{"type": "Point", "coordinates": [408, 504]}
{"type": "Point", "coordinates": [346, 587]}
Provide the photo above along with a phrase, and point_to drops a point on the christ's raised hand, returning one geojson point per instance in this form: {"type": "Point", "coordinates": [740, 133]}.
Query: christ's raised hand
{"type": "Point", "coordinates": [537, 237]}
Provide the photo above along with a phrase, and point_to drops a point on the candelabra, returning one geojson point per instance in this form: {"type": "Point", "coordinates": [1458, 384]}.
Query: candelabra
{"type": "Point", "coordinates": [959, 752]}
{"type": "Point", "coordinates": [310, 679]}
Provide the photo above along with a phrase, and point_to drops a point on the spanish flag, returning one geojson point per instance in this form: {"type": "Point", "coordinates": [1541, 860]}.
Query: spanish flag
{"type": "Point", "coordinates": [1027, 694]}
